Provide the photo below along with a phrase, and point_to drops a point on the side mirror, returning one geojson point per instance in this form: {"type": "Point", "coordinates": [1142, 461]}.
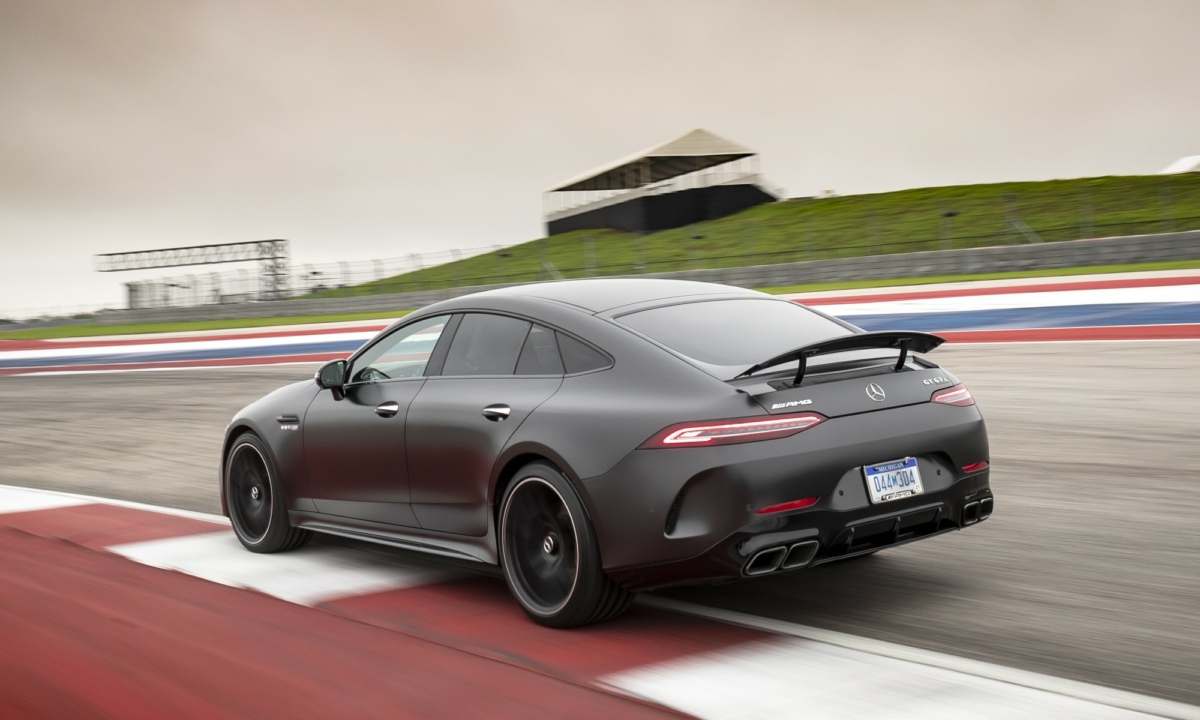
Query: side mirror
{"type": "Point", "coordinates": [332, 374]}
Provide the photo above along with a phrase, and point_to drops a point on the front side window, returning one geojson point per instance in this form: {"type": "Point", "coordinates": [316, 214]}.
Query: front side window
{"type": "Point", "coordinates": [730, 335]}
{"type": "Point", "coordinates": [485, 345]}
{"type": "Point", "coordinates": [403, 354]}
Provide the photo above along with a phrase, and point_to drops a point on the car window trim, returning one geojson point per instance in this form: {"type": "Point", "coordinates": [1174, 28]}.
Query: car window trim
{"type": "Point", "coordinates": [576, 338]}
{"type": "Point", "coordinates": [459, 315]}
{"type": "Point", "coordinates": [383, 338]}
{"type": "Point", "coordinates": [554, 332]}
{"type": "Point", "coordinates": [437, 358]}
{"type": "Point", "coordinates": [521, 348]}
{"type": "Point", "coordinates": [446, 335]}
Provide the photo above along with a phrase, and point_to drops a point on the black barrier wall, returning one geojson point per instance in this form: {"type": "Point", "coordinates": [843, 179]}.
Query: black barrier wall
{"type": "Point", "coordinates": [651, 213]}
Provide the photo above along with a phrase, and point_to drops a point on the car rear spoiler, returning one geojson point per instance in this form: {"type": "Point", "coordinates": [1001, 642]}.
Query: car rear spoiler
{"type": "Point", "coordinates": [902, 339]}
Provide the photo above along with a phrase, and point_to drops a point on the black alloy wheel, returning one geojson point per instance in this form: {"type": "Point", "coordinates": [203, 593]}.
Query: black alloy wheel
{"type": "Point", "coordinates": [549, 552]}
{"type": "Point", "coordinates": [256, 509]}
{"type": "Point", "coordinates": [541, 546]}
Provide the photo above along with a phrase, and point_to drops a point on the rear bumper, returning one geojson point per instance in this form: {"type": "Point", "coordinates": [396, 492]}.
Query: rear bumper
{"type": "Point", "coordinates": [676, 516]}
{"type": "Point", "coordinates": [811, 539]}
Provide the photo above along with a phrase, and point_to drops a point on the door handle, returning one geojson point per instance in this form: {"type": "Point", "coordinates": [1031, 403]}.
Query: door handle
{"type": "Point", "coordinates": [387, 409]}
{"type": "Point", "coordinates": [496, 413]}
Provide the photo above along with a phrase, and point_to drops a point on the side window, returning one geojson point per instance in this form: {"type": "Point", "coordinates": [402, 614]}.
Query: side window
{"type": "Point", "coordinates": [578, 357]}
{"type": "Point", "coordinates": [485, 345]}
{"type": "Point", "coordinates": [402, 354]}
{"type": "Point", "coordinates": [539, 356]}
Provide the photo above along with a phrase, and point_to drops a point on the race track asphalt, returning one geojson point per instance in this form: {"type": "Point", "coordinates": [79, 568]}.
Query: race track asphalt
{"type": "Point", "coordinates": [1090, 568]}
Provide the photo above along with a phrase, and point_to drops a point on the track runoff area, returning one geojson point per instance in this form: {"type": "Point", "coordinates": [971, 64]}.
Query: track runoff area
{"type": "Point", "coordinates": [119, 609]}
{"type": "Point", "coordinates": [195, 626]}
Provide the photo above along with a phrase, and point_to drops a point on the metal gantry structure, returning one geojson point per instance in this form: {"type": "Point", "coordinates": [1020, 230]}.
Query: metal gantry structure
{"type": "Point", "coordinates": [273, 257]}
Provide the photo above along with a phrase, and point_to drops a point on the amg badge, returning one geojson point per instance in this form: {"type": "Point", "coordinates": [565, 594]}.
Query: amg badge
{"type": "Point", "coordinates": [790, 403]}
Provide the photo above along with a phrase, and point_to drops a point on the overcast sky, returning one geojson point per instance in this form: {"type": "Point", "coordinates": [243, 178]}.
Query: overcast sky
{"type": "Point", "coordinates": [366, 129]}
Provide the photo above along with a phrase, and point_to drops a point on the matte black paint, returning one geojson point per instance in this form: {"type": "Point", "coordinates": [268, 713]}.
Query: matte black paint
{"type": "Point", "coordinates": [453, 447]}
{"type": "Point", "coordinates": [357, 460]}
{"type": "Point", "coordinates": [430, 477]}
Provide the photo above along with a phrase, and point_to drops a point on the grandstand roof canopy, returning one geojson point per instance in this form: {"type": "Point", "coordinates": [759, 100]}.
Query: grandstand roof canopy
{"type": "Point", "coordinates": [1191, 163]}
{"type": "Point", "coordinates": [694, 151]}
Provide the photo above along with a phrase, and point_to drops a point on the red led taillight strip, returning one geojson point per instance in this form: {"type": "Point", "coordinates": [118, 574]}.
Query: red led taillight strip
{"type": "Point", "coordinates": [958, 395]}
{"type": "Point", "coordinates": [727, 432]}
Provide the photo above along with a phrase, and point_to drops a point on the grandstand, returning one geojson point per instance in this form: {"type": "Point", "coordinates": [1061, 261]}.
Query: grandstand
{"type": "Point", "coordinates": [1191, 163]}
{"type": "Point", "coordinates": [698, 176]}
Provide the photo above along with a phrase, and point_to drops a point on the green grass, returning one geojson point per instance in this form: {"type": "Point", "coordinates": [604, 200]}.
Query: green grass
{"type": "Point", "coordinates": [95, 330]}
{"type": "Point", "coordinates": [849, 226]}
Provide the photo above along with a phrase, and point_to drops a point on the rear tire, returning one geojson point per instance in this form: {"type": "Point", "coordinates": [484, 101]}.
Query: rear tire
{"type": "Point", "coordinates": [255, 500]}
{"type": "Point", "coordinates": [550, 555]}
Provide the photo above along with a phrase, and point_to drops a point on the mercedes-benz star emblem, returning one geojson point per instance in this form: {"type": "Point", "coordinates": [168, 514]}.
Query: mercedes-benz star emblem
{"type": "Point", "coordinates": [875, 392]}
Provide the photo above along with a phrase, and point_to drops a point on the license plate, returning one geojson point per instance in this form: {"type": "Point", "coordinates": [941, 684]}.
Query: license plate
{"type": "Point", "coordinates": [893, 480]}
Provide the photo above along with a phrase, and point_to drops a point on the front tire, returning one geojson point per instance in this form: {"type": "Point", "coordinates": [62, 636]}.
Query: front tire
{"type": "Point", "coordinates": [256, 508]}
{"type": "Point", "coordinates": [550, 555]}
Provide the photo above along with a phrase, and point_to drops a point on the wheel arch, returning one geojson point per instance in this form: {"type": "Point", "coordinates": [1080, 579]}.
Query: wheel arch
{"type": "Point", "coordinates": [235, 430]}
{"type": "Point", "coordinates": [517, 457]}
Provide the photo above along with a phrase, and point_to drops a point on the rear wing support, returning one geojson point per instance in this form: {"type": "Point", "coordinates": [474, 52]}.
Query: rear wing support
{"type": "Point", "coordinates": [903, 339]}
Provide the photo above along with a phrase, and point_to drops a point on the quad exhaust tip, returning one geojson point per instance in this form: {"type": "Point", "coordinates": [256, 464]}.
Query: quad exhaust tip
{"type": "Point", "coordinates": [800, 554]}
{"type": "Point", "coordinates": [783, 558]}
{"type": "Point", "coordinates": [985, 508]}
{"type": "Point", "coordinates": [765, 561]}
{"type": "Point", "coordinates": [970, 514]}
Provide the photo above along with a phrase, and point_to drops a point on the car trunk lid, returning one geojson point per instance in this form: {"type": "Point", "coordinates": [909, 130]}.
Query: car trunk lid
{"type": "Point", "coordinates": [849, 388]}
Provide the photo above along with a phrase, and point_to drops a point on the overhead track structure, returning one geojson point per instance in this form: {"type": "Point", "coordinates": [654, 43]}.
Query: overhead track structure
{"type": "Point", "coordinates": [273, 257]}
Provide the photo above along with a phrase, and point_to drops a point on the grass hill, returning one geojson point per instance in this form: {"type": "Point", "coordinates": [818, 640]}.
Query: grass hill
{"type": "Point", "coordinates": [853, 225]}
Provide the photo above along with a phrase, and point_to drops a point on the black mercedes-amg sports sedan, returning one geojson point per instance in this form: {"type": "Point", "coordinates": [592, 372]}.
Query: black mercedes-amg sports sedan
{"type": "Point", "coordinates": [594, 438]}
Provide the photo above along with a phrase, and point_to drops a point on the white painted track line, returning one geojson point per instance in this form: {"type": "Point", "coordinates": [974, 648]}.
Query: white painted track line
{"type": "Point", "coordinates": [1019, 300]}
{"type": "Point", "coordinates": [794, 678]}
{"type": "Point", "coordinates": [190, 345]}
{"type": "Point", "coordinates": [1015, 283]}
{"type": "Point", "coordinates": [1094, 699]}
{"type": "Point", "coordinates": [12, 496]}
{"type": "Point", "coordinates": [300, 328]}
{"type": "Point", "coordinates": [14, 500]}
{"type": "Point", "coordinates": [307, 577]}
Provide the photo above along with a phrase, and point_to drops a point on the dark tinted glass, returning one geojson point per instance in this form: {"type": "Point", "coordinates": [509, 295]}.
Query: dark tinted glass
{"type": "Point", "coordinates": [485, 345]}
{"type": "Point", "coordinates": [539, 356]}
{"type": "Point", "coordinates": [578, 357]}
{"type": "Point", "coordinates": [733, 333]}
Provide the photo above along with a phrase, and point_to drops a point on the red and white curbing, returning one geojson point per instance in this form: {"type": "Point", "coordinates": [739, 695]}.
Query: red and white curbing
{"type": "Point", "coordinates": [704, 662]}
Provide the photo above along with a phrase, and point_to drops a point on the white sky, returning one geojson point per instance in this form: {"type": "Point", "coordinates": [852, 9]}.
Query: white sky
{"type": "Point", "coordinates": [375, 129]}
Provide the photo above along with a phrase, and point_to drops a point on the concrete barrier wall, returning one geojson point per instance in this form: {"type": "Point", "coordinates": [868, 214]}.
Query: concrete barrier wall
{"type": "Point", "coordinates": [1077, 253]}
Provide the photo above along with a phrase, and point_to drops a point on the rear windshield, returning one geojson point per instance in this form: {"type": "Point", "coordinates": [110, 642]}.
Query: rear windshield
{"type": "Point", "coordinates": [729, 336]}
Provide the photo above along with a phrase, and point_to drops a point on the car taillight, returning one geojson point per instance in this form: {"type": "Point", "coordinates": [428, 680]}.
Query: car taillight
{"type": "Point", "coordinates": [958, 395]}
{"type": "Point", "coordinates": [975, 466]}
{"type": "Point", "coordinates": [784, 507]}
{"type": "Point", "coordinates": [726, 432]}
